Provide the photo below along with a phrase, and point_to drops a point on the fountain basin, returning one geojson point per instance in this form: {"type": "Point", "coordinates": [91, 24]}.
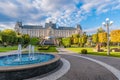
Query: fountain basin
{"type": "Point", "coordinates": [24, 71]}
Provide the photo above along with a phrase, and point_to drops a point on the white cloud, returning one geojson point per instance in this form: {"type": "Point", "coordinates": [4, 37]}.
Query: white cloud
{"type": "Point", "coordinates": [100, 6]}
{"type": "Point", "coordinates": [64, 12]}
{"type": "Point", "coordinates": [8, 8]}
{"type": "Point", "coordinates": [6, 26]}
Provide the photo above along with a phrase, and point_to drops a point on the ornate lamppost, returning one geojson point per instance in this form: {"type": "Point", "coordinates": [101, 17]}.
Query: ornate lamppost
{"type": "Point", "coordinates": [107, 24]}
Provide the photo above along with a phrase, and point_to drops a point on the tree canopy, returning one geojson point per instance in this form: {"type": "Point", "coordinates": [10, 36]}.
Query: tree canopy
{"type": "Point", "coordinates": [34, 40]}
{"type": "Point", "coordinates": [95, 38]}
{"type": "Point", "coordinates": [9, 32]}
{"type": "Point", "coordinates": [26, 38]}
{"type": "Point", "coordinates": [115, 36]}
{"type": "Point", "coordinates": [8, 36]}
{"type": "Point", "coordinates": [102, 37]}
{"type": "Point", "coordinates": [66, 42]}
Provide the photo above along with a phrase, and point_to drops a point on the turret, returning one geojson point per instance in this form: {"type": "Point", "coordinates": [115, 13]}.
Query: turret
{"type": "Point", "coordinates": [18, 25]}
{"type": "Point", "coordinates": [79, 27]}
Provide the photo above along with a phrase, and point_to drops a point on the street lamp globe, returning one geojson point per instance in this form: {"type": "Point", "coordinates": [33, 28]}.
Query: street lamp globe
{"type": "Point", "coordinates": [111, 22]}
{"type": "Point", "coordinates": [107, 19]}
{"type": "Point", "coordinates": [103, 23]}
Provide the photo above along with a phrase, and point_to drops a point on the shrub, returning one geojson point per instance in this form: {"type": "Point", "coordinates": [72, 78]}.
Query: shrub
{"type": "Point", "coordinates": [43, 47]}
{"type": "Point", "coordinates": [83, 51]}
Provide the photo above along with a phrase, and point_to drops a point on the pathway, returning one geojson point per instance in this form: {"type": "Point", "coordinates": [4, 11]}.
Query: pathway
{"type": "Point", "coordinates": [84, 69]}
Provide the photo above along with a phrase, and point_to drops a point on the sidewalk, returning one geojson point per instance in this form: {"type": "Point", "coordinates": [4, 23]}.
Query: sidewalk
{"type": "Point", "coordinates": [84, 69]}
{"type": "Point", "coordinates": [113, 61]}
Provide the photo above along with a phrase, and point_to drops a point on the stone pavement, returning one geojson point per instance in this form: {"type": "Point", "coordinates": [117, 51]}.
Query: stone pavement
{"type": "Point", "coordinates": [83, 69]}
{"type": "Point", "coordinates": [113, 61]}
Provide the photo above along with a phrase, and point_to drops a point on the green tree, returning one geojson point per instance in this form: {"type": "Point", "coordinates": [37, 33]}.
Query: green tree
{"type": "Point", "coordinates": [9, 32]}
{"type": "Point", "coordinates": [80, 41]}
{"type": "Point", "coordinates": [95, 38]}
{"type": "Point", "coordinates": [76, 35]}
{"type": "Point", "coordinates": [102, 37]}
{"type": "Point", "coordinates": [75, 40]}
{"type": "Point", "coordinates": [26, 39]}
{"type": "Point", "coordinates": [0, 36]}
{"type": "Point", "coordinates": [19, 39]}
{"type": "Point", "coordinates": [84, 39]}
{"type": "Point", "coordinates": [8, 36]}
{"type": "Point", "coordinates": [100, 30]}
{"type": "Point", "coordinates": [66, 42]}
{"type": "Point", "coordinates": [34, 40]}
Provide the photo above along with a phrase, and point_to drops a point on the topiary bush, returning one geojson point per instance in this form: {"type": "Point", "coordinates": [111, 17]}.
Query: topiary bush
{"type": "Point", "coordinates": [83, 51]}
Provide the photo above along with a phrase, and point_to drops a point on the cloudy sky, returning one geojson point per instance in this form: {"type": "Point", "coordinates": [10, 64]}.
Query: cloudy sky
{"type": "Point", "coordinates": [88, 13]}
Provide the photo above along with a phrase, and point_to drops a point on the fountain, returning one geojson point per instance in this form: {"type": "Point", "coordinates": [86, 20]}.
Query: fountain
{"type": "Point", "coordinates": [25, 65]}
{"type": "Point", "coordinates": [19, 52]}
{"type": "Point", "coordinates": [31, 52]}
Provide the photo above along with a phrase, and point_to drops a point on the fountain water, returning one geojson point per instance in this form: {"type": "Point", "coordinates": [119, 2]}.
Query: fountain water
{"type": "Point", "coordinates": [29, 49]}
{"type": "Point", "coordinates": [31, 52]}
{"type": "Point", "coordinates": [19, 53]}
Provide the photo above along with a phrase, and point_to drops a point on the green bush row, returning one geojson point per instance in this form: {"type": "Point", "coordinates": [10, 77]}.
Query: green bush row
{"type": "Point", "coordinates": [43, 47]}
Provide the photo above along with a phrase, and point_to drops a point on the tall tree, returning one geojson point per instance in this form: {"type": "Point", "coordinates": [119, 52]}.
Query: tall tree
{"type": "Point", "coordinates": [8, 36]}
{"type": "Point", "coordinates": [76, 35]}
{"type": "Point", "coordinates": [26, 38]}
{"type": "Point", "coordinates": [115, 36]}
{"type": "Point", "coordinates": [34, 40]}
{"type": "Point", "coordinates": [100, 30]}
{"type": "Point", "coordinates": [66, 42]}
{"type": "Point", "coordinates": [83, 39]}
{"type": "Point", "coordinates": [0, 37]}
{"type": "Point", "coordinates": [95, 38]}
{"type": "Point", "coordinates": [75, 38]}
{"type": "Point", "coordinates": [102, 37]}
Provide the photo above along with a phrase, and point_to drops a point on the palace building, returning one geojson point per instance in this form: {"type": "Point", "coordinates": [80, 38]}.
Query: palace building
{"type": "Point", "coordinates": [49, 30]}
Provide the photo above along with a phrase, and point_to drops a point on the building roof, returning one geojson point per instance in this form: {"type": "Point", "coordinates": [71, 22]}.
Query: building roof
{"type": "Point", "coordinates": [32, 27]}
{"type": "Point", "coordinates": [50, 24]}
{"type": "Point", "coordinates": [65, 28]}
{"type": "Point", "coordinates": [47, 25]}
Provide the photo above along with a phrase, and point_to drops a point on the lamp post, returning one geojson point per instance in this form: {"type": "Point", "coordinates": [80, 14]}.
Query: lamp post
{"type": "Point", "coordinates": [107, 24]}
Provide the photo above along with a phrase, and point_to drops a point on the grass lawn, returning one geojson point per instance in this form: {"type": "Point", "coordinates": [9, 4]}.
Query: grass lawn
{"type": "Point", "coordinates": [51, 49]}
{"type": "Point", "coordinates": [8, 48]}
{"type": "Point", "coordinates": [90, 51]}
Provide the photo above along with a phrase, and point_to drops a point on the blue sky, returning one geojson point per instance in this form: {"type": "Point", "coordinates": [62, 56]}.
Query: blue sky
{"type": "Point", "coordinates": [88, 13]}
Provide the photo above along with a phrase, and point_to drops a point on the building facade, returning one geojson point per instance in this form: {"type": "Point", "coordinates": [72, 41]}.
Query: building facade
{"type": "Point", "coordinates": [50, 30]}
